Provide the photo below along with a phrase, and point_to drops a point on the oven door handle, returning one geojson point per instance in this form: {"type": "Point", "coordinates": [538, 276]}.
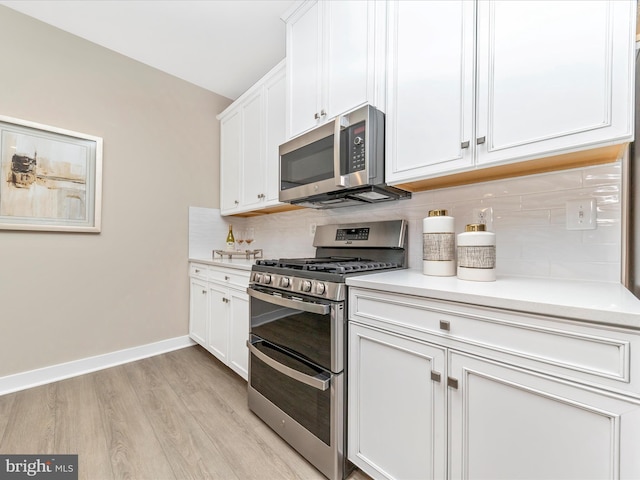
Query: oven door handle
{"type": "Point", "coordinates": [290, 303]}
{"type": "Point", "coordinates": [319, 382]}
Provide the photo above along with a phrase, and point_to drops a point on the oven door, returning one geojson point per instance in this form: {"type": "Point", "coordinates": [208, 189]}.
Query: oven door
{"type": "Point", "coordinates": [309, 329]}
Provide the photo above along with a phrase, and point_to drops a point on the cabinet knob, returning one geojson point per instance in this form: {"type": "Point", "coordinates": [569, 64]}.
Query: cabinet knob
{"type": "Point", "coordinates": [316, 116]}
{"type": "Point", "coordinates": [204, 291]}
{"type": "Point", "coordinates": [465, 144]}
{"type": "Point", "coordinates": [452, 382]}
{"type": "Point", "coordinates": [236, 202]}
{"type": "Point", "coordinates": [226, 277]}
{"type": "Point", "coordinates": [323, 113]}
{"type": "Point", "coordinates": [445, 325]}
{"type": "Point", "coordinates": [435, 376]}
{"type": "Point", "coordinates": [481, 140]}
{"type": "Point", "coordinates": [197, 271]}
{"type": "Point", "coordinates": [225, 300]}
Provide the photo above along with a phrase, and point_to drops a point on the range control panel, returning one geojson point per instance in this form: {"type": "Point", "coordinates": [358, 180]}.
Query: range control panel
{"type": "Point", "coordinates": [343, 234]}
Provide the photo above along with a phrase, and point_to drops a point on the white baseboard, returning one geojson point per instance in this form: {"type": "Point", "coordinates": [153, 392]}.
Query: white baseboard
{"type": "Point", "coordinates": [41, 376]}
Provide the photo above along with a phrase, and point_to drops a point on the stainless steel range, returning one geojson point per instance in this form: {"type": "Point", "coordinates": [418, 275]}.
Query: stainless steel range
{"type": "Point", "coordinates": [298, 309]}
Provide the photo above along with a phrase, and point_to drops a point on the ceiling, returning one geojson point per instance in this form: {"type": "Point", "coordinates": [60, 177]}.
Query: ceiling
{"type": "Point", "coordinates": [224, 46]}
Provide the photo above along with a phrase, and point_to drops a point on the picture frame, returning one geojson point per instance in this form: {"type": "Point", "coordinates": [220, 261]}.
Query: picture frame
{"type": "Point", "coordinates": [50, 178]}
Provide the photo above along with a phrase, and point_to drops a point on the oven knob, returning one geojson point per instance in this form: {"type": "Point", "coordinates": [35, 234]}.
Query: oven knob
{"type": "Point", "coordinates": [258, 277]}
{"type": "Point", "coordinates": [305, 286]}
{"type": "Point", "coordinates": [285, 282]}
{"type": "Point", "coordinates": [320, 288]}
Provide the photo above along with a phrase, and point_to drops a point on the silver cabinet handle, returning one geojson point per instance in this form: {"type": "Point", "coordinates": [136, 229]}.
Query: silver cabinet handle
{"type": "Point", "coordinates": [445, 325]}
{"type": "Point", "coordinates": [316, 116]}
{"type": "Point", "coordinates": [465, 144]}
{"type": "Point", "coordinates": [226, 277]}
{"type": "Point", "coordinates": [481, 140]}
{"type": "Point", "coordinates": [319, 382]}
{"type": "Point", "coordinates": [435, 376]}
{"type": "Point", "coordinates": [197, 271]}
{"type": "Point", "coordinates": [290, 303]}
{"type": "Point", "coordinates": [452, 382]}
{"type": "Point", "coordinates": [204, 291]}
{"type": "Point", "coordinates": [236, 202]}
{"type": "Point", "coordinates": [323, 113]}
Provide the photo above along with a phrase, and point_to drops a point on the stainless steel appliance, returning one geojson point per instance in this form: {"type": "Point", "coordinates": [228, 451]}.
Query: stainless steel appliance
{"type": "Point", "coordinates": [297, 345]}
{"type": "Point", "coordinates": [631, 212]}
{"type": "Point", "coordinates": [338, 164]}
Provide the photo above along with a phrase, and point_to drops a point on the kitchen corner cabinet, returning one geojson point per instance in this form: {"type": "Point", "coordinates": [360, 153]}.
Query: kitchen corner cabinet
{"type": "Point", "coordinates": [251, 130]}
{"type": "Point", "coordinates": [489, 83]}
{"type": "Point", "coordinates": [445, 390]}
{"type": "Point", "coordinates": [219, 313]}
{"type": "Point", "coordinates": [335, 60]}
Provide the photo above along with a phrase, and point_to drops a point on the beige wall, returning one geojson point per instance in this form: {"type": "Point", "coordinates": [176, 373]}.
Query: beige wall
{"type": "Point", "coordinates": [69, 296]}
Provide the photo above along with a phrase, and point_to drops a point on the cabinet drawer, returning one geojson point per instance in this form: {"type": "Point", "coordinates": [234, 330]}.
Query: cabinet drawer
{"type": "Point", "coordinates": [229, 277]}
{"type": "Point", "coordinates": [567, 348]}
{"type": "Point", "coordinates": [198, 270]}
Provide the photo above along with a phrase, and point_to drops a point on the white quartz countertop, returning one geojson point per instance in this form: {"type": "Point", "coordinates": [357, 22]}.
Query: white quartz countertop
{"type": "Point", "coordinates": [236, 262]}
{"type": "Point", "coordinates": [603, 303]}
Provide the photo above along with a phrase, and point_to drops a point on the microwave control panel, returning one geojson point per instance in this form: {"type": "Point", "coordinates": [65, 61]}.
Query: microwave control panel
{"type": "Point", "coordinates": [355, 143]}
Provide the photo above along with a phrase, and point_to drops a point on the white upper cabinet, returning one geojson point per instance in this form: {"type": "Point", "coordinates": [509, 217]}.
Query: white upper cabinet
{"type": "Point", "coordinates": [430, 86]}
{"type": "Point", "coordinates": [553, 76]}
{"type": "Point", "coordinates": [251, 130]}
{"type": "Point", "coordinates": [331, 60]}
{"type": "Point", "coordinates": [550, 77]}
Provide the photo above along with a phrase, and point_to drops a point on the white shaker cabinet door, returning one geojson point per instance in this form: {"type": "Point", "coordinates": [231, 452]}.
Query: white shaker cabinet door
{"type": "Point", "coordinates": [231, 161]}
{"type": "Point", "coordinates": [218, 322]}
{"type": "Point", "coordinates": [303, 70]}
{"type": "Point", "coordinates": [275, 100]}
{"type": "Point", "coordinates": [509, 423]}
{"type": "Point", "coordinates": [430, 88]}
{"type": "Point", "coordinates": [239, 332]}
{"type": "Point", "coordinates": [253, 171]}
{"type": "Point", "coordinates": [348, 57]}
{"type": "Point", "coordinates": [397, 407]}
{"type": "Point", "coordinates": [198, 311]}
{"type": "Point", "coordinates": [552, 76]}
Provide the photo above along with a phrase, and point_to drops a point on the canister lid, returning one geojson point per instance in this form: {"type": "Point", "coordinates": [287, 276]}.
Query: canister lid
{"type": "Point", "coordinates": [475, 227]}
{"type": "Point", "coordinates": [438, 213]}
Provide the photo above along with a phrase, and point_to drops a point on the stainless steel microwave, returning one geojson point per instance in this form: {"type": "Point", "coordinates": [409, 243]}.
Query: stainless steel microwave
{"type": "Point", "coordinates": [340, 163]}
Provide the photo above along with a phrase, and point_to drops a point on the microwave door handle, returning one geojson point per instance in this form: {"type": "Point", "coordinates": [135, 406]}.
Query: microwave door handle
{"type": "Point", "coordinates": [290, 303]}
{"type": "Point", "coordinates": [339, 124]}
{"type": "Point", "coordinates": [319, 382]}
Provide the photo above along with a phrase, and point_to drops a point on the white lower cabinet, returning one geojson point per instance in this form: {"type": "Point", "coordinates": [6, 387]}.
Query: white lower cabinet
{"type": "Point", "coordinates": [443, 390]}
{"type": "Point", "coordinates": [219, 315]}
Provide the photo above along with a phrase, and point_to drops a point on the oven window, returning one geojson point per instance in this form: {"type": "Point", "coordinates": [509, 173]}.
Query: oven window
{"type": "Point", "coordinates": [307, 405]}
{"type": "Point", "coordinates": [306, 334]}
{"type": "Point", "coordinates": [308, 164]}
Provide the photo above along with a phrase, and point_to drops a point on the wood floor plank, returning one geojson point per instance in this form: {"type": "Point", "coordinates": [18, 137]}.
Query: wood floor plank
{"type": "Point", "coordinates": [133, 447]}
{"type": "Point", "coordinates": [31, 424]}
{"type": "Point", "coordinates": [189, 450]}
{"type": "Point", "coordinates": [79, 429]}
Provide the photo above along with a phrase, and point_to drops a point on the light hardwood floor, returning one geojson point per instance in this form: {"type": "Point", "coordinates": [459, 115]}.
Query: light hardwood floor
{"type": "Point", "coordinates": [181, 415]}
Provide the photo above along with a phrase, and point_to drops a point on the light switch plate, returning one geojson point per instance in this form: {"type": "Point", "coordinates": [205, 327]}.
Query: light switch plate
{"type": "Point", "coordinates": [582, 214]}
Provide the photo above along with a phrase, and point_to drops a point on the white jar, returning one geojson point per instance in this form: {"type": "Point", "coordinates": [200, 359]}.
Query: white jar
{"type": "Point", "coordinates": [477, 254]}
{"type": "Point", "coordinates": [438, 244]}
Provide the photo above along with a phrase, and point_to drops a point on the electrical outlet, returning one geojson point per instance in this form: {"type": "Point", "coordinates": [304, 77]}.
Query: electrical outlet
{"type": "Point", "coordinates": [484, 215]}
{"type": "Point", "coordinates": [582, 214]}
{"type": "Point", "coordinates": [312, 229]}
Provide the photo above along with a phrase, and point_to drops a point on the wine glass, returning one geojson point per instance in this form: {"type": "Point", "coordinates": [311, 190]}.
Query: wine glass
{"type": "Point", "coordinates": [240, 238]}
{"type": "Point", "coordinates": [248, 235]}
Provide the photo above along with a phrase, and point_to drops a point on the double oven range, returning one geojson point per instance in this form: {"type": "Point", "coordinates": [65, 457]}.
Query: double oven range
{"type": "Point", "coordinates": [298, 336]}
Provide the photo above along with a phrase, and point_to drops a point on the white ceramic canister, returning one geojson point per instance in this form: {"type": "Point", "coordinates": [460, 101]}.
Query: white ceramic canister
{"type": "Point", "coordinates": [438, 244]}
{"type": "Point", "coordinates": [477, 254]}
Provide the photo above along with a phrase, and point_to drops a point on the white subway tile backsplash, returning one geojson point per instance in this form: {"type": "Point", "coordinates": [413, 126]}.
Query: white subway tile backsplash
{"type": "Point", "coordinates": [529, 217]}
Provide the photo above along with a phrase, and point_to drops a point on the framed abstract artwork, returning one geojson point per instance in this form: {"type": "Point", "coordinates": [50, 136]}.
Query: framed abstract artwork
{"type": "Point", "coordinates": [50, 178]}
